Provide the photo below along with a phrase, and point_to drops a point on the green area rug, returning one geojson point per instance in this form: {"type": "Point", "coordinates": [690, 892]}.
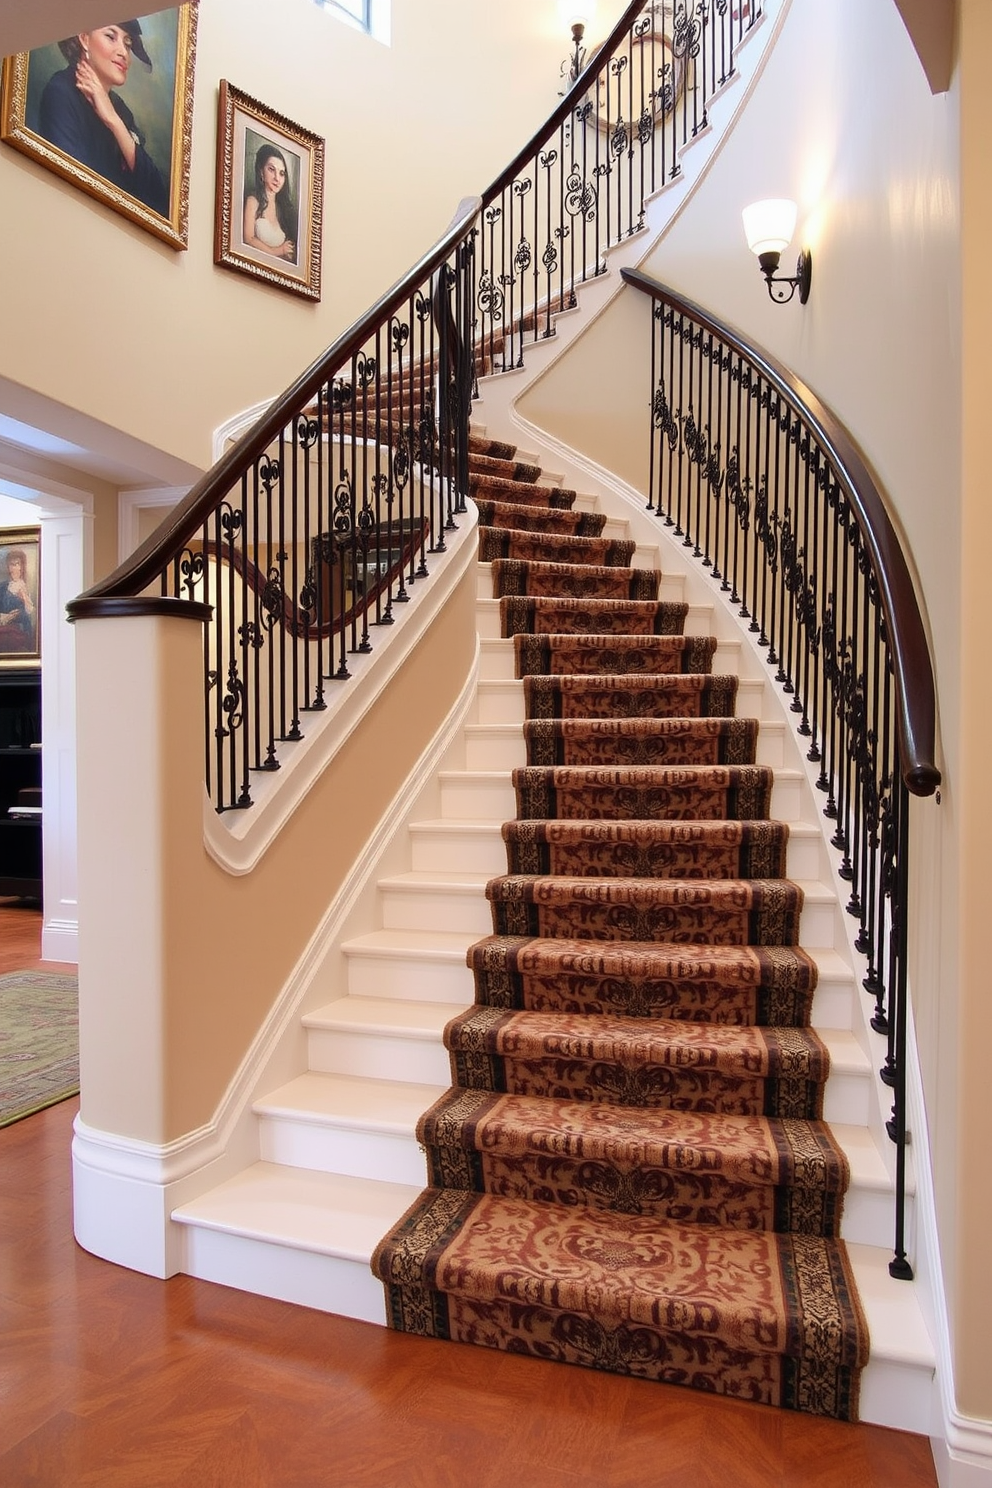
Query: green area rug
{"type": "Point", "coordinates": [39, 1042]}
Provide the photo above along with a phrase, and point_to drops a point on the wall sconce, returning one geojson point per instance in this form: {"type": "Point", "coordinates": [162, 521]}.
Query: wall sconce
{"type": "Point", "coordinates": [769, 226]}
{"type": "Point", "coordinates": [577, 15]}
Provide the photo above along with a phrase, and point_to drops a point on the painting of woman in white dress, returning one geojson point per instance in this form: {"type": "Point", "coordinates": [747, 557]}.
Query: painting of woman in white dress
{"type": "Point", "coordinates": [270, 184]}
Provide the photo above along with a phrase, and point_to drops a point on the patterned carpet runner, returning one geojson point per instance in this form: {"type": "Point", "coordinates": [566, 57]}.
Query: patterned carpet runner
{"type": "Point", "coordinates": [631, 1170]}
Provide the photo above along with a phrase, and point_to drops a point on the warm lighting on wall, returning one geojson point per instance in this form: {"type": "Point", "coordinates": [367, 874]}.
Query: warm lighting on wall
{"type": "Point", "coordinates": [578, 17]}
{"type": "Point", "coordinates": [769, 227]}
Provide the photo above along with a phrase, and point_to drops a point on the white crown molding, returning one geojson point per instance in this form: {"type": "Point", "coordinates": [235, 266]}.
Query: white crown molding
{"type": "Point", "coordinates": [132, 501]}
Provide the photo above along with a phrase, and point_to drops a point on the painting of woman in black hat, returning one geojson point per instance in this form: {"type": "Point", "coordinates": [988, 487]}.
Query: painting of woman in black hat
{"type": "Point", "coordinates": [83, 114]}
{"type": "Point", "coordinates": [111, 110]}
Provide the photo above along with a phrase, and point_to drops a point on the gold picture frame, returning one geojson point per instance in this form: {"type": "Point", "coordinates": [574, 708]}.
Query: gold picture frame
{"type": "Point", "coordinates": [120, 132]}
{"type": "Point", "coordinates": [20, 597]}
{"type": "Point", "coordinates": [268, 228]}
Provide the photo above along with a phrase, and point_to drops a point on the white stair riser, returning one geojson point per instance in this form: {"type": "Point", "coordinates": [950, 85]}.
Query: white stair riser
{"type": "Point", "coordinates": [436, 910]}
{"type": "Point", "coordinates": [483, 851]}
{"type": "Point", "coordinates": [846, 1099]}
{"type": "Point", "coordinates": [817, 926]}
{"type": "Point", "coordinates": [328, 1283]}
{"type": "Point", "coordinates": [497, 661]}
{"type": "Point", "coordinates": [491, 747]}
{"type": "Point", "coordinates": [833, 1005]}
{"type": "Point", "coordinates": [869, 1218]}
{"type": "Point", "coordinates": [786, 802]}
{"type": "Point", "coordinates": [771, 747]}
{"type": "Point", "coordinates": [501, 702]}
{"type": "Point", "coordinates": [329, 1147]}
{"type": "Point", "coordinates": [488, 624]}
{"type": "Point", "coordinates": [802, 859]}
{"type": "Point", "coordinates": [372, 1056]}
{"type": "Point", "coordinates": [896, 1395]}
{"type": "Point", "coordinates": [467, 797]}
{"type": "Point", "coordinates": [418, 979]}
{"type": "Point", "coordinates": [750, 698]}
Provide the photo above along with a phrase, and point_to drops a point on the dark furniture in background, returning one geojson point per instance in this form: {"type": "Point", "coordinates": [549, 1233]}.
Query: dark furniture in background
{"type": "Point", "coordinates": [20, 783]}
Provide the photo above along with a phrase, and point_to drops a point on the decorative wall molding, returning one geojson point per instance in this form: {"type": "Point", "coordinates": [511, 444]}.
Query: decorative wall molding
{"type": "Point", "coordinates": [130, 505]}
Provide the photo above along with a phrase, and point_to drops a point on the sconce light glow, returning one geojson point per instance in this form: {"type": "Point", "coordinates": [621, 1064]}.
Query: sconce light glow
{"type": "Point", "coordinates": [769, 226]}
{"type": "Point", "coordinates": [576, 13]}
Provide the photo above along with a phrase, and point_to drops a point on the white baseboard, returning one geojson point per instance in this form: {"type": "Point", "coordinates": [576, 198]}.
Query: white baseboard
{"type": "Point", "coordinates": [968, 1463]}
{"type": "Point", "coordinates": [60, 940]}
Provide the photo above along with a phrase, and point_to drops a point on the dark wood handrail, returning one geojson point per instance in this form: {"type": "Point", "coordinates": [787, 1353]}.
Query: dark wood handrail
{"type": "Point", "coordinates": [912, 667]}
{"type": "Point", "coordinates": [146, 564]}
{"type": "Point", "coordinates": [566, 108]}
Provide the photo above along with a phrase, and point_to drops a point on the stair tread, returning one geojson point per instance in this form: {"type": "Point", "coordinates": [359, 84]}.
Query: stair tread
{"type": "Point", "coordinates": [630, 1269]}
{"type": "Point", "coordinates": [417, 881]}
{"type": "Point", "coordinates": [417, 944]}
{"type": "Point", "coordinates": [392, 1016]}
{"type": "Point", "coordinates": [899, 1333]}
{"type": "Point", "coordinates": [759, 1150]}
{"type": "Point", "coordinates": [327, 1213]}
{"type": "Point", "coordinates": [846, 1054]}
{"type": "Point", "coordinates": [383, 1106]}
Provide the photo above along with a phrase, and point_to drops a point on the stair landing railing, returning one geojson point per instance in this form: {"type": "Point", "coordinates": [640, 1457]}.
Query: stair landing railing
{"type": "Point", "coordinates": [583, 184]}
{"type": "Point", "coordinates": [769, 492]}
{"type": "Point", "coordinates": [308, 535]}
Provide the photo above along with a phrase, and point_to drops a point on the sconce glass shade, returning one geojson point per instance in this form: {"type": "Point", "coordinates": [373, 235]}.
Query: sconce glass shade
{"type": "Point", "coordinates": [769, 225]}
{"type": "Point", "coordinates": [576, 13]}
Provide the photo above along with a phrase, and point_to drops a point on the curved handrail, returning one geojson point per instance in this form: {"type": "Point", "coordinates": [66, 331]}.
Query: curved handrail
{"type": "Point", "coordinates": [912, 666]}
{"type": "Point", "coordinates": [145, 565]}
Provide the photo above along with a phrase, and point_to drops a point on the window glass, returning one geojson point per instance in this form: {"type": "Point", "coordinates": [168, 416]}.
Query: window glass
{"type": "Point", "coordinates": [357, 10]}
{"type": "Point", "coordinates": [367, 15]}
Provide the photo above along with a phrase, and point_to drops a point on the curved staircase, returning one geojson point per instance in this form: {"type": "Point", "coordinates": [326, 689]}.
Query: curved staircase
{"type": "Point", "coordinates": [640, 888]}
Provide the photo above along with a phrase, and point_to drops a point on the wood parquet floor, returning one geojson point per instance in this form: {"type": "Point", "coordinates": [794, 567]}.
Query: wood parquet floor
{"type": "Point", "coordinates": [109, 1379]}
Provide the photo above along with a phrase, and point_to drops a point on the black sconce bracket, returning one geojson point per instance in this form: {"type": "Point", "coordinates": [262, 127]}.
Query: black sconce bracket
{"type": "Point", "coordinates": [801, 280]}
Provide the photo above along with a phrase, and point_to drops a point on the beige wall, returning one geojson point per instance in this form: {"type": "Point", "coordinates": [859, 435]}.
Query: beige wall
{"type": "Point", "coordinates": [843, 120]}
{"type": "Point", "coordinates": [974, 1031]}
{"type": "Point", "coordinates": [111, 322]}
{"type": "Point", "coordinates": [180, 962]}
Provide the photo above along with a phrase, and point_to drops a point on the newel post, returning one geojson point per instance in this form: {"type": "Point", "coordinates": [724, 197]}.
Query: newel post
{"type": "Point", "coordinates": [139, 667]}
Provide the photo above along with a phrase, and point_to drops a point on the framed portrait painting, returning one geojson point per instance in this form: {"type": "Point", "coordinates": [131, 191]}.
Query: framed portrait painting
{"type": "Point", "coordinates": [111, 110]}
{"type": "Point", "coordinates": [20, 596]}
{"type": "Point", "coordinates": [270, 195]}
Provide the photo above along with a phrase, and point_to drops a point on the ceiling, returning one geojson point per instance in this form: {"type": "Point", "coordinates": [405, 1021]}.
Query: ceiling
{"type": "Point", "coordinates": [38, 22]}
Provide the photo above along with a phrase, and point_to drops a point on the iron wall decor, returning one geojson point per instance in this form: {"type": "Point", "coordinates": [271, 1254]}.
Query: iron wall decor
{"type": "Point", "coordinates": [111, 110]}
{"type": "Point", "coordinates": [20, 597]}
{"type": "Point", "coordinates": [649, 79]}
{"type": "Point", "coordinates": [270, 195]}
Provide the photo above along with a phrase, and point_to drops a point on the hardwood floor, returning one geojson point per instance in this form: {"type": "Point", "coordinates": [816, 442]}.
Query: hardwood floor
{"type": "Point", "coordinates": [109, 1379]}
{"type": "Point", "coordinates": [20, 938]}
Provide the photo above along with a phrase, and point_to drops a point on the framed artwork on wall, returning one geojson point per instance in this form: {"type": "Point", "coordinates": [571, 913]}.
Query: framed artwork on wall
{"type": "Point", "coordinates": [20, 596]}
{"type": "Point", "coordinates": [270, 195]}
{"type": "Point", "coordinates": [111, 110]}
